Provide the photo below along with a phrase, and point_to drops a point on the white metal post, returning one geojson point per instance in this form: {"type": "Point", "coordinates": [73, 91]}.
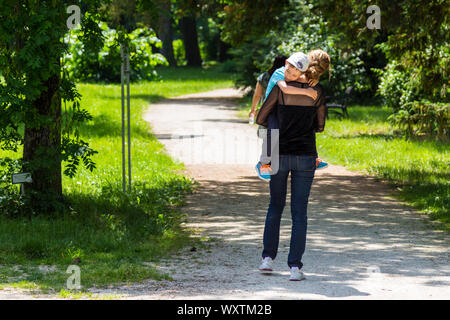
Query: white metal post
{"type": "Point", "coordinates": [127, 71]}
{"type": "Point", "coordinates": [122, 77]}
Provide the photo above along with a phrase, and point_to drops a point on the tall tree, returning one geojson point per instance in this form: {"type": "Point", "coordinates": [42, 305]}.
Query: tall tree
{"type": "Point", "coordinates": [165, 32]}
{"type": "Point", "coordinates": [188, 27]}
{"type": "Point", "coordinates": [223, 50]}
{"type": "Point", "coordinates": [33, 84]}
{"type": "Point", "coordinates": [247, 19]}
{"type": "Point", "coordinates": [43, 142]}
{"type": "Point", "coordinates": [187, 12]}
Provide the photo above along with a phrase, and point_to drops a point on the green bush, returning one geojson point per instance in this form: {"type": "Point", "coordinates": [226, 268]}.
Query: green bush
{"type": "Point", "coordinates": [423, 118]}
{"type": "Point", "coordinates": [208, 36]}
{"type": "Point", "coordinates": [228, 66]}
{"type": "Point", "coordinates": [178, 51]}
{"type": "Point", "coordinates": [413, 114]}
{"type": "Point", "coordinates": [251, 59]}
{"type": "Point", "coordinates": [396, 86]}
{"type": "Point", "coordinates": [348, 68]}
{"type": "Point", "coordinates": [103, 62]}
{"type": "Point", "coordinates": [11, 202]}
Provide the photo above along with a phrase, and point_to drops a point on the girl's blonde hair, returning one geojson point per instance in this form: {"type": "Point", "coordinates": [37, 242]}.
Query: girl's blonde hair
{"type": "Point", "coordinates": [319, 62]}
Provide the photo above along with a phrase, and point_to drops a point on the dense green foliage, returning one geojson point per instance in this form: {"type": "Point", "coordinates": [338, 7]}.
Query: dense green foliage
{"type": "Point", "coordinates": [299, 28]}
{"type": "Point", "coordinates": [31, 90]}
{"type": "Point", "coordinates": [414, 36]}
{"type": "Point", "coordinates": [423, 117]}
{"type": "Point", "coordinates": [103, 62]}
{"type": "Point", "coordinates": [349, 68]}
{"type": "Point", "coordinates": [414, 33]}
{"type": "Point", "coordinates": [406, 62]}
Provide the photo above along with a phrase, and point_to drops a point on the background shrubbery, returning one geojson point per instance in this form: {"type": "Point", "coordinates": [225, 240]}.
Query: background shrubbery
{"type": "Point", "coordinates": [102, 62]}
{"type": "Point", "coordinates": [349, 67]}
{"type": "Point", "coordinates": [405, 65]}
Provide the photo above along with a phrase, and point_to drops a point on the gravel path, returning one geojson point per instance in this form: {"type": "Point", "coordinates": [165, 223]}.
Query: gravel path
{"type": "Point", "coordinates": [361, 243]}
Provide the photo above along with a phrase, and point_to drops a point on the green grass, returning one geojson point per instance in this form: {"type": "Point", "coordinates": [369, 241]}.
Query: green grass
{"type": "Point", "coordinates": [418, 170]}
{"type": "Point", "coordinates": [107, 233]}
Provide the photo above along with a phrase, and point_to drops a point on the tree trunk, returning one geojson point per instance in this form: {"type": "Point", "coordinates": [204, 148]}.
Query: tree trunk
{"type": "Point", "coordinates": [188, 26]}
{"type": "Point", "coordinates": [223, 51]}
{"type": "Point", "coordinates": [42, 150]}
{"type": "Point", "coordinates": [166, 34]}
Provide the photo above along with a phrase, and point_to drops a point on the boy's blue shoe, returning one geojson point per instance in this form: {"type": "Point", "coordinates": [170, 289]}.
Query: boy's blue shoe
{"type": "Point", "coordinates": [320, 164]}
{"type": "Point", "coordinates": [263, 171]}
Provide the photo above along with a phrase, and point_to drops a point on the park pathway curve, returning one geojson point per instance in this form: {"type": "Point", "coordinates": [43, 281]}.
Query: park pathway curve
{"type": "Point", "coordinates": [361, 243]}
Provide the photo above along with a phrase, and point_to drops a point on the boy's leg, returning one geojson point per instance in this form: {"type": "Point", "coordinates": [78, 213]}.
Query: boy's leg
{"type": "Point", "coordinates": [263, 167]}
{"type": "Point", "coordinates": [268, 147]}
{"type": "Point", "coordinates": [265, 155]}
{"type": "Point", "coordinates": [272, 123]}
{"type": "Point", "coordinates": [320, 164]}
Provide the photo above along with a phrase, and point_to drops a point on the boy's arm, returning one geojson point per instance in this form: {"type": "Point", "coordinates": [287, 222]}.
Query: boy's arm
{"type": "Point", "coordinates": [310, 92]}
{"type": "Point", "coordinates": [276, 76]}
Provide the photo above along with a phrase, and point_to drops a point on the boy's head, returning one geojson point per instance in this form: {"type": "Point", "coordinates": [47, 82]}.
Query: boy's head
{"type": "Point", "coordinates": [319, 62]}
{"type": "Point", "coordinates": [296, 64]}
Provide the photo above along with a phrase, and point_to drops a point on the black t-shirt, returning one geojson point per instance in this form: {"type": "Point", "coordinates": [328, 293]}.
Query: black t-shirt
{"type": "Point", "coordinates": [299, 118]}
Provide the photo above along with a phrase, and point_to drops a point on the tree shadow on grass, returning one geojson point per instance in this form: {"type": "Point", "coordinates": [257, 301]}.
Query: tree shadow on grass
{"type": "Point", "coordinates": [381, 136]}
{"type": "Point", "coordinates": [106, 126]}
{"type": "Point", "coordinates": [412, 175]}
{"type": "Point", "coordinates": [192, 73]}
{"type": "Point", "coordinates": [150, 98]}
{"type": "Point", "coordinates": [375, 114]}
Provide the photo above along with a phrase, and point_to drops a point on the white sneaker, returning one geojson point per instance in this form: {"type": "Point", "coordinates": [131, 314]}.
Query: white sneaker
{"type": "Point", "coordinates": [266, 265]}
{"type": "Point", "coordinates": [296, 274]}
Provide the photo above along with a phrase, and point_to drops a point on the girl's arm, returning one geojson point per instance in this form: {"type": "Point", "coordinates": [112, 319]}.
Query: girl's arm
{"type": "Point", "coordinates": [310, 92]}
{"type": "Point", "coordinates": [256, 98]}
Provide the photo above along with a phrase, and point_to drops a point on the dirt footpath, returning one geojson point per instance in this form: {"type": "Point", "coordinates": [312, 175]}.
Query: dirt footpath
{"type": "Point", "coordinates": [361, 243]}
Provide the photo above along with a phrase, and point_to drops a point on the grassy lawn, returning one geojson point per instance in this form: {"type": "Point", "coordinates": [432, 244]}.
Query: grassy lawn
{"type": "Point", "coordinates": [107, 233]}
{"type": "Point", "coordinates": [418, 170]}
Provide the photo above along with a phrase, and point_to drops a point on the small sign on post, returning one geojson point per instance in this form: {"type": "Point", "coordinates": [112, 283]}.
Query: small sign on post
{"type": "Point", "coordinates": [21, 178]}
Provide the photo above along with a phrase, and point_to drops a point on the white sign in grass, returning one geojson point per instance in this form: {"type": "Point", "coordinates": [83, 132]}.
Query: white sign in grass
{"type": "Point", "coordinates": [19, 178]}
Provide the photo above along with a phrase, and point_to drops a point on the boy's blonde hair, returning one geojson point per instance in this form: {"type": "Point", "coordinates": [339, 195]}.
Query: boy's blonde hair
{"type": "Point", "coordinates": [319, 62]}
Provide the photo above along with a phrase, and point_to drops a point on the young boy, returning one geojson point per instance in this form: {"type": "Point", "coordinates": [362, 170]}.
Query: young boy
{"type": "Point", "coordinates": [299, 67]}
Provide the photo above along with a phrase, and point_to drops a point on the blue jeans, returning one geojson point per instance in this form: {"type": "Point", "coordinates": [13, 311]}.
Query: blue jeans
{"type": "Point", "coordinates": [302, 169]}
